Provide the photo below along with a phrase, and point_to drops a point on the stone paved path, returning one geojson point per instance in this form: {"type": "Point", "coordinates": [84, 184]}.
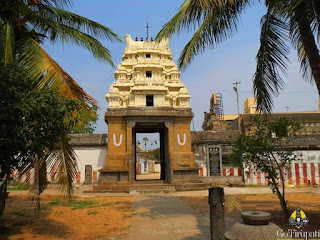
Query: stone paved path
{"type": "Point", "coordinates": [163, 217]}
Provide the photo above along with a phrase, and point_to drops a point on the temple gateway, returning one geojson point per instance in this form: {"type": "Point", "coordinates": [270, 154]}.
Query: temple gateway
{"type": "Point", "coordinates": [148, 97]}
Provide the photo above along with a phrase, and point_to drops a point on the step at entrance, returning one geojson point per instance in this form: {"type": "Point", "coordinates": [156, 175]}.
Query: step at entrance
{"type": "Point", "coordinates": [136, 187]}
{"type": "Point", "coordinates": [145, 187]}
{"type": "Point", "coordinates": [191, 186]}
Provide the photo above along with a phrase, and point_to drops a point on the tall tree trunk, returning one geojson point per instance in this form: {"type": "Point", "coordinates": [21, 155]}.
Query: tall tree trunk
{"type": "Point", "coordinates": [282, 177]}
{"type": "Point", "coordinates": [281, 197]}
{"type": "Point", "coordinates": [311, 50]}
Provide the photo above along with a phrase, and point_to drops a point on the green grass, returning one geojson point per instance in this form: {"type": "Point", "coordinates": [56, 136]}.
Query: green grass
{"type": "Point", "coordinates": [44, 207]}
{"type": "Point", "coordinates": [74, 205]}
{"type": "Point", "coordinates": [92, 212]}
{"type": "Point", "coordinates": [16, 186]}
{"type": "Point", "coordinates": [81, 204]}
{"type": "Point", "coordinates": [55, 201]}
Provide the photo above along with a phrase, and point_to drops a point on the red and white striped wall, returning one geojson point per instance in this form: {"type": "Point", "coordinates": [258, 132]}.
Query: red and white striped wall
{"type": "Point", "coordinates": [226, 171]}
{"type": "Point", "coordinates": [231, 171]}
{"type": "Point", "coordinates": [303, 172]}
{"type": "Point", "coordinates": [30, 176]}
{"type": "Point", "coordinates": [85, 156]}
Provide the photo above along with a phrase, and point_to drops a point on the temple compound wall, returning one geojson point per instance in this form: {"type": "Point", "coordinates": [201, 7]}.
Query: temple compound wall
{"type": "Point", "coordinates": [91, 150]}
{"type": "Point", "coordinates": [304, 171]}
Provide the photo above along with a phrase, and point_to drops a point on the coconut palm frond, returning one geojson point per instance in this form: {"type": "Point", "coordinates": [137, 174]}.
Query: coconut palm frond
{"type": "Point", "coordinates": [68, 166]}
{"type": "Point", "coordinates": [39, 175]}
{"type": "Point", "coordinates": [57, 3]}
{"type": "Point", "coordinates": [189, 14]}
{"type": "Point", "coordinates": [192, 13]}
{"type": "Point", "coordinates": [65, 34]}
{"type": "Point", "coordinates": [59, 165]}
{"type": "Point", "coordinates": [2, 42]}
{"type": "Point", "coordinates": [40, 182]}
{"type": "Point", "coordinates": [313, 8]}
{"type": "Point", "coordinates": [6, 43]}
{"type": "Point", "coordinates": [305, 13]}
{"type": "Point", "coordinates": [73, 20]}
{"type": "Point", "coordinates": [208, 4]}
{"type": "Point", "coordinates": [79, 117]}
{"type": "Point", "coordinates": [218, 26]}
{"type": "Point", "coordinates": [42, 67]}
{"type": "Point", "coordinates": [304, 25]}
{"type": "Point", "coordinates": [304, 63]}
{"type": "Point", "coordinates": [271, 60]}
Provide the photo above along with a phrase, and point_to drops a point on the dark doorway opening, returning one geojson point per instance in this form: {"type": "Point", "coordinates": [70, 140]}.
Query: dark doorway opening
{"type": "Point", "coordinates": [214, 161]}
{"type": "Point", "coordinates": [148, 74]}
{"type": "Point", "coordinates": [149, 100]}
{"type": "Point", "coordinates": [149, 153]}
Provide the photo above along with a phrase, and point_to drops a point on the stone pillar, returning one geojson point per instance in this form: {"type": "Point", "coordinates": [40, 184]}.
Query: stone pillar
{"type": "Point", "coordinates": [130, 151]}
{"type": "Point", "coordinates": [169, 150]}
{"type": "Point", "coordinates": [216, 202]}
{"type": "Point", "coordinates": [117, 166]}
{"type": "Point", "coordinates": [181, 155]}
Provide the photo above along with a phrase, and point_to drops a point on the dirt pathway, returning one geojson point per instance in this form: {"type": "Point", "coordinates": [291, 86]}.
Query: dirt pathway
{"type": "Point", "coordinates": [160, 217]}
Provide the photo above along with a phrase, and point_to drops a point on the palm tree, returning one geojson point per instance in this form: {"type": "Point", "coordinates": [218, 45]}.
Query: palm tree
{"type": "Point", "coordinates": [145, 139]}
{"type": "Point", "coordinates": [24, 26]}
{"type": "Point", "coordinates": [297, 21]}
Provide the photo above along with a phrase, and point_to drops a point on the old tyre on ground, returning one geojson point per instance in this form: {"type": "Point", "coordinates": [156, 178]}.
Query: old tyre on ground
{"type": "Point", "coordinates": [256, 217]}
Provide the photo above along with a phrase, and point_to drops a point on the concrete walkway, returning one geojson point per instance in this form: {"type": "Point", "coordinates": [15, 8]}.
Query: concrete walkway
{"type": "Point", "coordinates": [163, 217]}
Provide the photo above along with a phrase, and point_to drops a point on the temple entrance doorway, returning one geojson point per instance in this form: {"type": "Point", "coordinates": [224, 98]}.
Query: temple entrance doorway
{"type": "Point", "coordinates": [149, 153]}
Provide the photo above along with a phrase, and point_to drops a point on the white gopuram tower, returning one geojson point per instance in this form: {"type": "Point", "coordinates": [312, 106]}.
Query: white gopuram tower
{"type": "Point", "coordinates": [146, 97]}
{"type": "Point", "coordinates": [147, 70]}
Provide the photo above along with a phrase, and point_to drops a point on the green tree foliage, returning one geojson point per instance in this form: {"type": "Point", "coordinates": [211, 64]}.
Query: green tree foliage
{"type": "Point", "coordinates": [216, 21]}
{"type": "Point", "coordinates": [35, 122]}
{"type": "Point", "coordinates": [156, 153]}
{"type": "Point", "coordinates": [86, 126]}
{"type": "Point", "coordinates": [145, 139]}
{"type": "Point", "coordinates": [25, 25]}
{"type": "Point", "coordinates": [262, 149]}
{"type": "Point", "coordinates": [34, 127]}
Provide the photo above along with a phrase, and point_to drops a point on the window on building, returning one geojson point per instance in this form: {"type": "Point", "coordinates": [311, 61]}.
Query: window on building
{"type": "Point", "coordinates": [148, 74]}
{"type": "Point", "coordinates": [149, 100]}
{"type": "Point", "coordinates": [148, 55]}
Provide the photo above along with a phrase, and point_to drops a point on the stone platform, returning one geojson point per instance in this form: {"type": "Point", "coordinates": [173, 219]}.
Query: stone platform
{"type": "Point", "coordinates": [154, 186]}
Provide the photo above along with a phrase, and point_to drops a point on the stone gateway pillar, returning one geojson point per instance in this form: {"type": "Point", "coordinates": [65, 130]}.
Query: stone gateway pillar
{"type": "Point", "coordinates": [148, 97]}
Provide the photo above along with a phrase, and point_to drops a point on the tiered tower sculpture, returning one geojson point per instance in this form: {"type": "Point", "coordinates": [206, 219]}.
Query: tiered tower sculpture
{"type": "Point", "coordinates": [148, 96]}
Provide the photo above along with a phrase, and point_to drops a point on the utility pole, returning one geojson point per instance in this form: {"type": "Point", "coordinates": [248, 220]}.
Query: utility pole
{"type": "Point", "coordinates": [287, 108]}
{"type": "Point", "coordinates": [237, 92]}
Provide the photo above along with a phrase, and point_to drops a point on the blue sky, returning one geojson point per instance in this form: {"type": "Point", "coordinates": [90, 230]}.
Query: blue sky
{"type": "Point", "coordinates": [214, 71]}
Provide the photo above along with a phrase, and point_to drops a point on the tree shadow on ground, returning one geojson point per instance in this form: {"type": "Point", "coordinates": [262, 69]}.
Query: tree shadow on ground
{"type": "Point", "coordinates": [20, 218]}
